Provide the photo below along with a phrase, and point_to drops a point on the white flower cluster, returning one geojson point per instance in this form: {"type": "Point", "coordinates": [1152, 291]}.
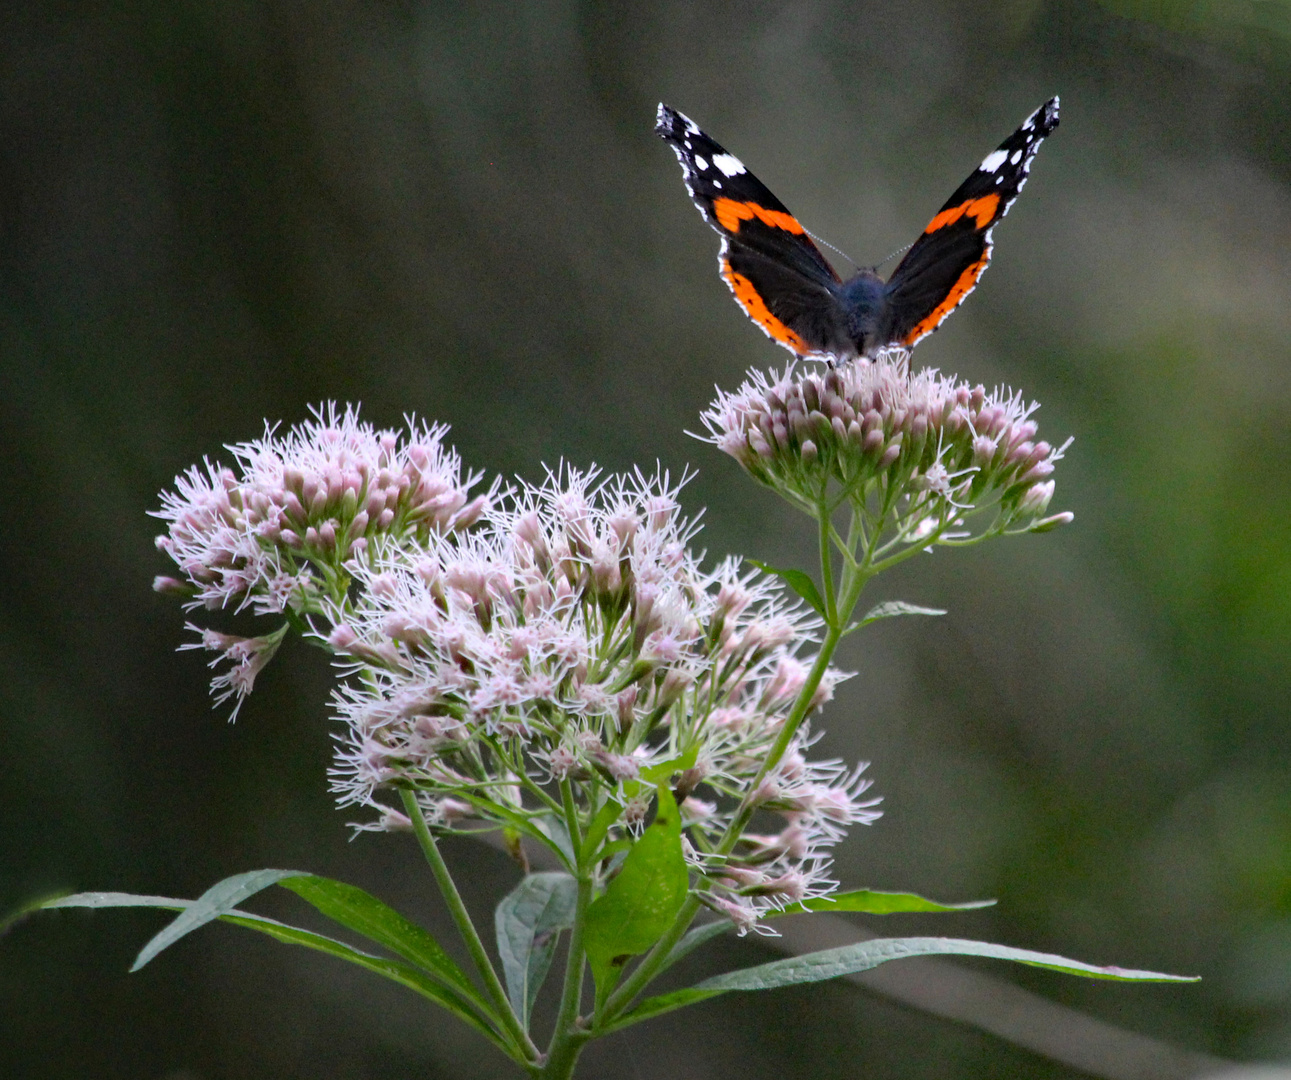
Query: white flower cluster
{"type": "Point", "coordinates": [570, 645]}
{"type": "Point", "coordinates": [920, 450]}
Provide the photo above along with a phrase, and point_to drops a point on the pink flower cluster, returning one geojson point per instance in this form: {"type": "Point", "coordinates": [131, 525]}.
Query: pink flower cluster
{"type": "Point", "coordinates": [303, 502]}
{"type": "Point", "coordinates": [571, 640]}
{"type": "Point", "coordinates": [276, 531]}
{"type": "Point", "coordinates": [872, 431]}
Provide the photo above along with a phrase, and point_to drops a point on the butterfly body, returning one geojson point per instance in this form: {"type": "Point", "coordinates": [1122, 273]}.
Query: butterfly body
{"type": "Point", "coordinates": [785, 285]}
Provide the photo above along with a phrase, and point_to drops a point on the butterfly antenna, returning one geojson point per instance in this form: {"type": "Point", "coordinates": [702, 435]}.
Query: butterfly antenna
{"type": "Point", "coordinates": [831, 247]}
{"type": "Point", "coordinates": [899, 251]}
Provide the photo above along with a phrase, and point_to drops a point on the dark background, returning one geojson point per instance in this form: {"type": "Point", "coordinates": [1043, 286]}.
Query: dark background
{"type": "Point", "coordinates": [212, 213]}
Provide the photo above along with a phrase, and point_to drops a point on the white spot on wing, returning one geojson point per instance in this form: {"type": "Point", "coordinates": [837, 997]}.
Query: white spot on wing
{"type": "Point", "coordinates": [994, 160]}
{"type": "Point", "coordinates": [703, 165]}
{"type": "Point", "coordinates": [729, 164]}
{"type": "Point", "coordinates": [1017, 156]}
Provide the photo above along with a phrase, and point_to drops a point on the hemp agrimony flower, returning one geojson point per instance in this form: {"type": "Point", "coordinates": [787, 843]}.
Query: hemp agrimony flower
{"type": "Point", "coordinates": [572, 638]}
{"type": "Point", "coordinates": [276, 533]}
{"type": "Point", "coordinates": [552, 662]}
{"type": "Point", "coordinates": [915, 454]}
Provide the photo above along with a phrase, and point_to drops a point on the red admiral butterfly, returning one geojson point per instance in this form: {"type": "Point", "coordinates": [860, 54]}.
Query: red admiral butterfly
{"type": "Point", "coordinates": [785, 285]}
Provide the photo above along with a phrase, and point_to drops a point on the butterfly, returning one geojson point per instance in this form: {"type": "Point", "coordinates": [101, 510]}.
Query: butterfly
{"type": "Point", "coordinates": [786, 286]}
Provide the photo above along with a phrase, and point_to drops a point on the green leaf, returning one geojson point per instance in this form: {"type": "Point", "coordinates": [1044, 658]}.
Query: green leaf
{"type": "Point", "coordinates": [528, 922]}
{"type": "Point", "coordinates": [555, 837]}
{"type": "Point", "coordinates": [612, 810]}
{"type": "Point", "coordinates": [219, 899]}
{"type": "Point", "coordinates": [405, 974]}
{"type": "Point", "coordinates": [799, 582]}
{"type": "Point", "coordinates": [364, 914]}
{"type": "Point", "coordinates": [896, 607]}
{"type": "Point", "coordinates": [848, 959]}
{"type": "Point", "coordinates": [875, 902]}
{"type": "Point", "coordinates": [116, 899]}
{"type": "Point", "coordinates": [641, 902]}
{"type": "Point", "coordinates": [30, 907]}
{"type": "Point", "coordinates": [662, 772]}
{"type": "Point", "coordinates": [605, 817]}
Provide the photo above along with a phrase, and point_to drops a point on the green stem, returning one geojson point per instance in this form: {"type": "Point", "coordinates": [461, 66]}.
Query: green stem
{"type": "Point", "coordinates": [570, 809]}
{"type": "Point", "coordinates": [568, 1037]}
{"type": "Point", "coordinates": [826, 569]}
{"type": "Point", "coordinates": [466, 928]}
{"type": "Point", "coordinates": [853, 580]}
{"type": "Point", "coordinates": [653, 963]}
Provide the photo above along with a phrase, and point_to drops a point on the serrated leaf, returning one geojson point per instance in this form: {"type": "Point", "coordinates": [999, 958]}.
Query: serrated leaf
{"type": "Point", "coordinates": [220, 898]}
{"type": "Point", "coordinates": [363, 913]}
{"type": "Point", "coordinates": [849, 959]}
{"type": "Point", "coordinates": [896, 607]}
{"type": "Point", "coordinates": [798, 581]}
{"type": "Point", "coordinates": [405, 974]}
{"type": "Point", "coordinates": [875, 902]}
{"type": "Point", "coordinates": [641, 902]}
{"type": "Point", "coordinates": [528, 922]}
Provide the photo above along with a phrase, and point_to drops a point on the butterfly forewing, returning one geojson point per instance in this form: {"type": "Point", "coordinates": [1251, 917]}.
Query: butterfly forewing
{"type": "Point", "coordinates": [943, 265]}
{"type": "Point", "coordinates": [775, 271]}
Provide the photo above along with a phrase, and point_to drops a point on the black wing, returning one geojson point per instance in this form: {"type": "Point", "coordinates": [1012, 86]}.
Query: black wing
{"type": "Point", "coordinates": [945, 262]}
{"type": "Point", "coordinates": [778, 276]}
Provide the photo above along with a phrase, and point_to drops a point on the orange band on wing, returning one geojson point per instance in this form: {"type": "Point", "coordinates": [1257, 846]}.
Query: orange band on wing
{"type": "Point", "coordinates": [730, 213]}
{"type": "Point", "coordinates": [958, 291]}
{"type": "Point", "coordinates": [755, 307]}
{"type": "Point", "coordinates": [981, 210]}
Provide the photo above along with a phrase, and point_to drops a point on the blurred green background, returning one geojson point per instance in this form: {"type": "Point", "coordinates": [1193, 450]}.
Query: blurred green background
{"type": "Point", "coordinates": [214, 212]}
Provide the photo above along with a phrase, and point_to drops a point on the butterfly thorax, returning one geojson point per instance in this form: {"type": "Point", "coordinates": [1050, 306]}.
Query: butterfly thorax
{"type": "Point", "coordinates": [863, 301]}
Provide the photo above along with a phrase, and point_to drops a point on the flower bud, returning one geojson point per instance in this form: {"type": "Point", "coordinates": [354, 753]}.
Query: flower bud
{"type": "Point", "coordinates": [1053, 522]}
{"type": "Point", "coordinates": [1036, 499]}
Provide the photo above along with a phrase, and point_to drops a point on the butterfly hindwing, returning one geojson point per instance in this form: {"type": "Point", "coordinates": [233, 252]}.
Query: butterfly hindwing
{"type": "Point", "coordinates": [803, 315]}
{"type": "Point", "coordinates": [943, 265]}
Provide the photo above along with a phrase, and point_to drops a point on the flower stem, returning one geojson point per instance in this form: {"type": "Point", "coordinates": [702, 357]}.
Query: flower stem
{"type": "Point", "coordinates": [457, 908]}
{"type": "Point", "coordinates": [641, 975]}
{"type": "Point", "coordinates": [568, 1038]}
{"type": "Point", "coordinates": [852, 581]}
{"type": "Point", "coordinates": [841, 604]}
